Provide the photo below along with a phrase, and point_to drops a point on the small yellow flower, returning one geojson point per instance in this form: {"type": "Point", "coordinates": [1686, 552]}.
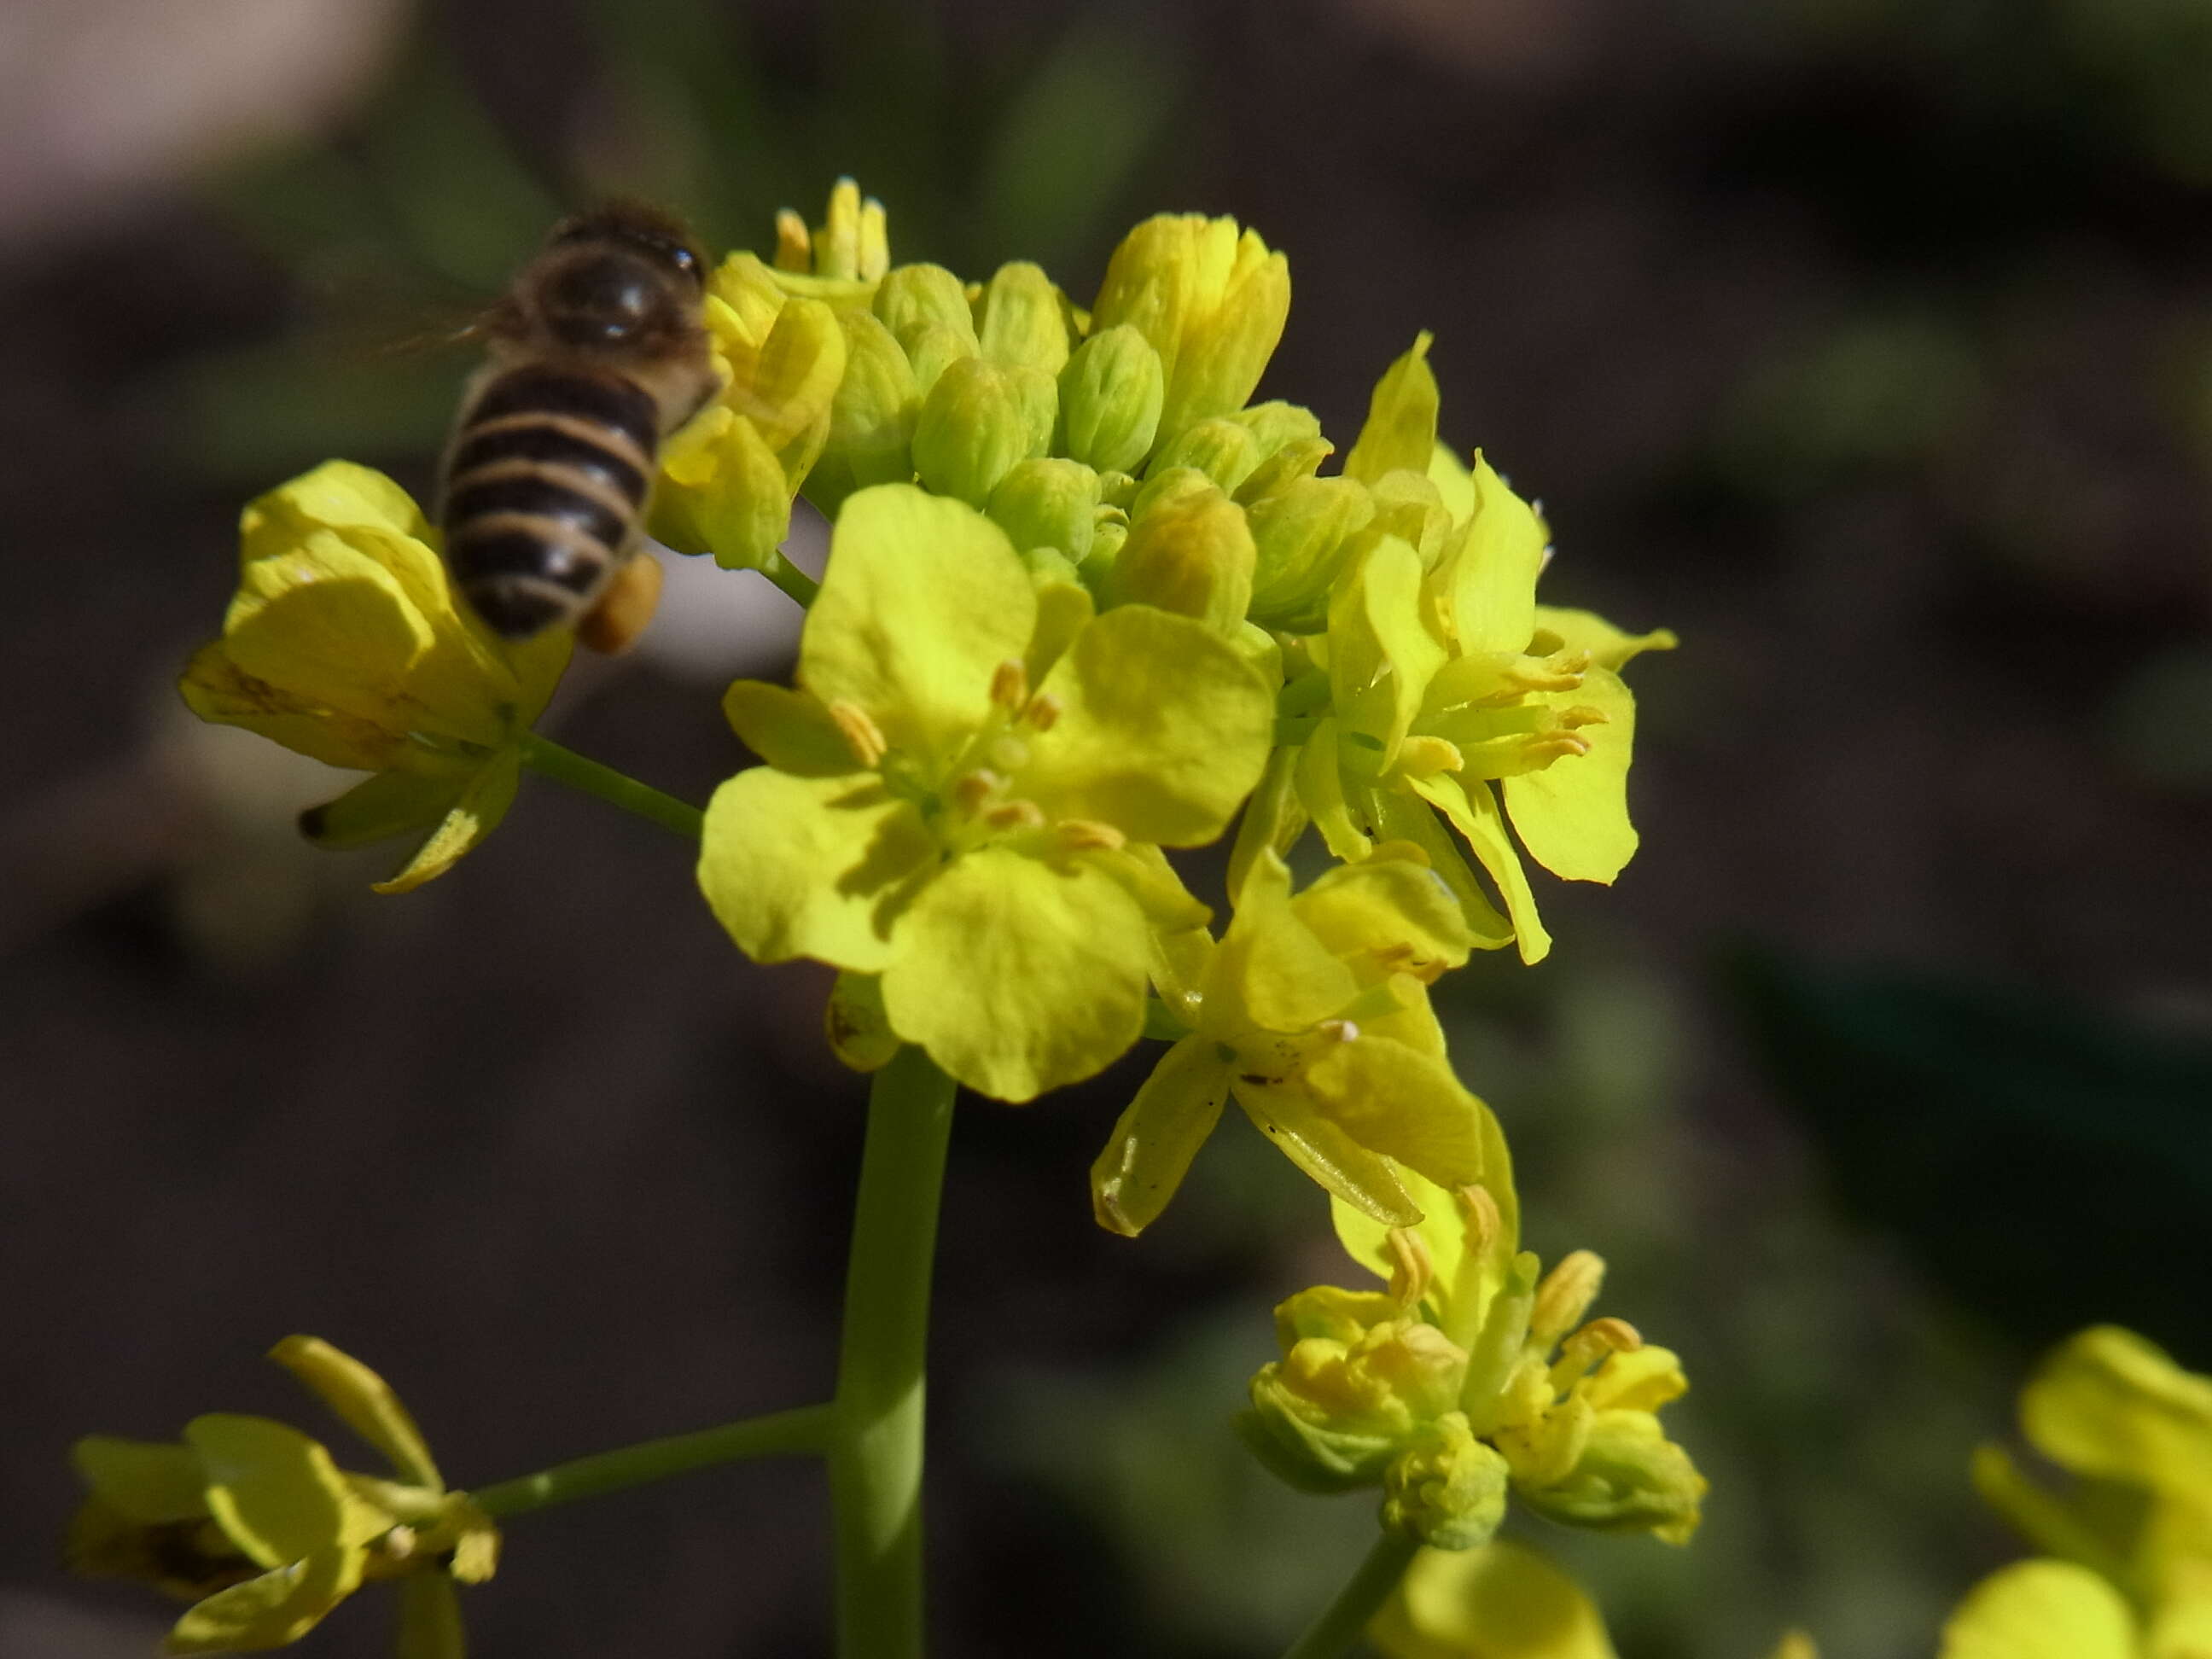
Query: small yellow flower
{"type": "Point", "coordinates": [252, 1522]}
{"type": "Point", "coordinates": [2131, 1533]}
{"type": "Point", "coordinates": [343, 642]}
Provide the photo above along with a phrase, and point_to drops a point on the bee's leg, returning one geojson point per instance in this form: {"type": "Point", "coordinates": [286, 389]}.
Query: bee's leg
{"type": "Point", "coordinates": [612, 625]}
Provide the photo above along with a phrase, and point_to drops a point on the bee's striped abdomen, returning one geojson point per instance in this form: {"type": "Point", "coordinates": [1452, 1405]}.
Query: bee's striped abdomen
{"type": "Point", "coordinates": [548, 474]}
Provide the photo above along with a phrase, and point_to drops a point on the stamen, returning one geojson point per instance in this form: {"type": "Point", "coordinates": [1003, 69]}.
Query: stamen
{"type": "Point", "coordinates": [1582, 715]}
{"type": "Point", "coordinates": [1088, 835]}
{"type": "Point", "coordinates": [1478, 1214]}
{"type": "Point", "coordinates": [1565, 1295]}
{"type": "Point", "coordinates": [971, 789]}
{"type": "Point", "coordinates": [1010, 685]}
{"type": "Point", "coordinates": [1589, 1344]}
{"type": "Point", "coordinates": [862, 735]}
{"type": "Point", "coordinates": [1412, 1268]}
{"type": "Point", "coordinates": [1042, 712]}
{"type": "Point", "coordinates": [1339, 1031]}
{"type": "Point", "coordinates": [1016, 815]}
{"type": "Point", "coordinates": [795, 247]}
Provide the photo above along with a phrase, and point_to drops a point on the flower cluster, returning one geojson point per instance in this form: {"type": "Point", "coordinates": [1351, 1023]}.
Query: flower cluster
{"type": "Point", "coordinates": [1086, 602]}
{"type": "Point", "coordinates": [254, 1524]}
{"type": "Point", "coordinates": [1471, 1377]}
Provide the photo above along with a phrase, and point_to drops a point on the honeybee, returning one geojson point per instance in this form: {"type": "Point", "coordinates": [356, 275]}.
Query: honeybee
{"type": "Point", "coordinates": [597, 353]}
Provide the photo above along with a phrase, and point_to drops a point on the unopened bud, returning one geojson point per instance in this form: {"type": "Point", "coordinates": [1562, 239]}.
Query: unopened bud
{"type": "Point", "coordinates": [1191, 554]}
{"type": "Point", "coordinates": [1447, 1488]}
{"type": "Point", "coordinates": [1301, 457]}
{"type": "Point", "coordinates": [1301, 538]}
{"type": "Point", "coordinates": [1048, 501]}
{"type": "Point", "coordinates": [1223, 450]}
{"type": "Point", "coordinates": [1110, 393]}
{"type": "Point", "coordinates": [1020, 320]}
{"type": "Point", "coordinates": [873, 417]}
{"type": "Point", "coordinates": [976, 425]}
{"type": "Point", "coordinates": [914, 297]}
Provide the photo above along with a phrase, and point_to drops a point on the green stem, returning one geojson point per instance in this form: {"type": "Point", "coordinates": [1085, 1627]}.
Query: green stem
{"type": "Point", "coordinates": [795, 582]}
{"type": "Point", "coordinates": [804, 1429]}
{"type": "Point", "coordinates": [875, 1464]}
{"type": "Point", "coordinates": [1345, 1619]}
{"type": "Point", "coordinates": [549, 760]}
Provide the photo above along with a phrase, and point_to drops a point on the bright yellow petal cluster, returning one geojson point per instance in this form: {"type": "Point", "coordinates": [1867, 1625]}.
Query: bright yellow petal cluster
{"type": "Point", "coordinates": [345, 643]}
{"type": "Point", "coordinates": [254, 1524]}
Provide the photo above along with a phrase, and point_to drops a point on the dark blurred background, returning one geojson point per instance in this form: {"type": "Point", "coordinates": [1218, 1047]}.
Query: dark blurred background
{"type": "Point", "coordinates": [1866, 342]}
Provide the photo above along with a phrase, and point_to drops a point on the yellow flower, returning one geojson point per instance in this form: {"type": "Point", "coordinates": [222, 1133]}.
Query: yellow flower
{"type": "Point", "coordinates": [2132, 1532]}
{"type": "Point", "coordinates": [343, 642]}
{"type": "Point", "coordinates": [252, 1522]}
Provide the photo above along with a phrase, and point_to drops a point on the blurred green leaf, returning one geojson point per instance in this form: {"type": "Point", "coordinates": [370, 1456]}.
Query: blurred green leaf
{"type": "Point", "coordinates": [2048, 1164]}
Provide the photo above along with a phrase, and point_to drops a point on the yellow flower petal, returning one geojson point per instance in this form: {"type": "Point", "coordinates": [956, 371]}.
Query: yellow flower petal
{"type": "Point", "coordinates": [1502, 1600]}
{"type": "Point", "coordinates": [1155, 1139]}
{"type": "Point", "coordinates": [364, 1402]}
{"type": "Point", "coordinates": [2041, 1610]}
{"type": "Point", "coordinates": [280, 1607]}
{"type": "Point", "coordinates": [1019, 976]}
{"type": "Point", "coordinates": [1573, 815]}
{"type": "Point", "coordinates": [482, 803]}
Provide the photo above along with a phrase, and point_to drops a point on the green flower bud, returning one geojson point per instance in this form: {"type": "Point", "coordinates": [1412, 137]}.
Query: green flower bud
{"type": "Point", "coordinates": [1191, 553]}
{"type": "Point", "coordinates": [1447, 1488]}
{"type": "Point", "coordinates": [1303, 537]}
{"type": "Point", "coordinates": [914, 297]}
{"type": "Point", "coordinates": [1276, 423]}
{"type": "Point", "coordinates": [1301, 457]}
{"type": "Point", "coordinates": [1020, 320]}
{"type": "Point", "coordinates": [872, 419]}
{"type": "Point", "coordinates": [1629, 1477]}
{"type": "Point", "coordinates": [1116, 489]}
{"type": "Point", "coordinates": [1047, 502]}
{"type": "Point", "coordinates": [1224, 451]}
{"type": "Point", "coordinates": [1111, 395]}
{"type": "Point", "coordinates": [976, 423]}
{"type": "Point", "coordinates": [932, 349]}
{"type": "Point", "coordinates": [1164, 487]}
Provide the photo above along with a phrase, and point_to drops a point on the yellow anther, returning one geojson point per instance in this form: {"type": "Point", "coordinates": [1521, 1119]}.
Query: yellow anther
{"type": "Point", "coordinates": [1412, 1270]}
{"type": "Point", "coordinates": [795, 248]}
{"type": "Point", "coordinates": [1565, 1295]}
{"type": "Point", "coordinates": [1479, 1211]}
{"type": "Point", "coordinates": [1425, 757]}
{"type": "Point", "coordinates": [862, 735]}
{"type": "Point", "coordinates": [1582, 715]}
{"type": "Point", "coordinates": [1015, 815]}
{"type": "Point", "coordinates": [1542, 748]}
{"type": "Point", "coordinates": [1010, 685]}
{"type": "Point", "coordinates": [1589, 1344]}
{"type": "Point", "coordinates": [1088, 835]}
{"type": "Point", "coordinates": [971, 789]}
{"type": "Point", "coordinates": [1042, 712]}
{"type": "Point", "coordinates": [1339, 1031]}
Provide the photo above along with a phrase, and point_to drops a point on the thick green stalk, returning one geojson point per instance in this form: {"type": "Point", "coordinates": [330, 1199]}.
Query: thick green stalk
{"type": "Point", "coordinates": [1345, 1619]}
{"type": "Point", "coordinates": [875, 1464]}
{"type": "Point", "coordinates": [549, 760]}
{"type": "Point", "coordinates": [804, 1429]}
